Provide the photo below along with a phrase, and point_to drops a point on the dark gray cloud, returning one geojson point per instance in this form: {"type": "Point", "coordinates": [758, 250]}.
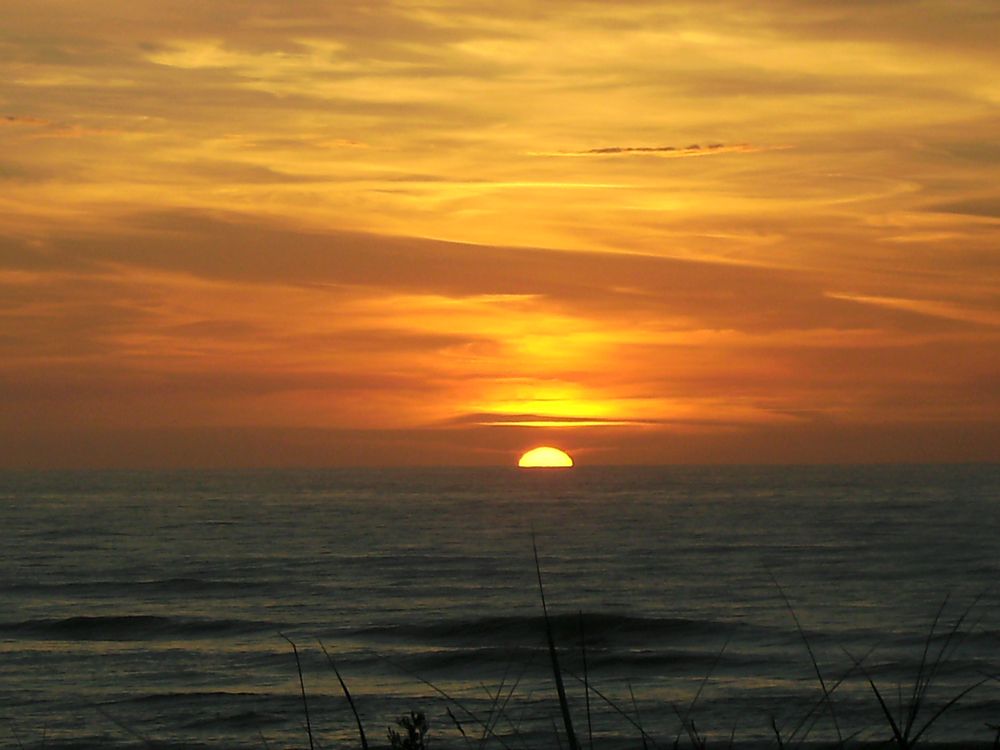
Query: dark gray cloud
{"type": "Point", "coordinates": [976, 150]}
{"type": "Point", "coordinates": [21, 173]}
{"type": "Point", "coordinates": [988, 207]}
{"type": "Point", "coordinates": [500, 419]}
{"type": "Point", "coordinates": [25, 121]}
{"type": "Point", "coordinates": [695, 149]}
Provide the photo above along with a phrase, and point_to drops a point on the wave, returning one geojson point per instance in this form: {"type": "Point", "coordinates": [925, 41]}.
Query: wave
{"type": "Point", "coordinates": [131, 627]}
{"type": "Point", "coordinates": [598, 628]}
{"type": "Point", "coordinates": [182, 696]}
{"type": "Point", "coordinates": [123, 588]}
{"type": "Point", "coordinates": [473, 660]}
{"type": "Point", "coordinates": [103, 742]}
{"type": "Point", "coordinates": [237, 721]}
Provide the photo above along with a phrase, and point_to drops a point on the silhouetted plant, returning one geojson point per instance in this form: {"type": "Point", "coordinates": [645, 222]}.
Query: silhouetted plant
{"type": "Point", "coordinates": [302, 686]}
{"type": "Point", "coordinates": [908, 728]}
{"type": "Point", "coordinates": [415, 738]}
{"type": "Point", "coordinates": [905, 731]}
{"type": "Point", "coordinates": [347, 694]}
{"type": "Point", "coordinates": [556, 671]}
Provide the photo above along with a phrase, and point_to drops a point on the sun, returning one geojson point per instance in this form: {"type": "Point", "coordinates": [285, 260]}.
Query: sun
{"type": "Point", "coordinates": [545, 458]}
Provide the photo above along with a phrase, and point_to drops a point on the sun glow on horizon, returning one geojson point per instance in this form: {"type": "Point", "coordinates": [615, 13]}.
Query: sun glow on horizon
{"type": "Point", "coordinates": [545, 457]}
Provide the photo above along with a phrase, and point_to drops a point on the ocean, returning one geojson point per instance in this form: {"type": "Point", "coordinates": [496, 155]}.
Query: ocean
{"type": "Point", "coordinates": [150, 609]}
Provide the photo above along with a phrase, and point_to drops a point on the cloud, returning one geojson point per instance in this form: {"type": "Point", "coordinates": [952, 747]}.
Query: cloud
{"type": "Point", "coordinates": [500, 419]}
{"type": "Point", "coordinates": [229, 248]}
{"type": "Point", "coordinates": [928, 307]}
{"type": "Point", "coordinates": [113, 383]}
{"type": "Point", "coordinates": [42, 128]}
{"type": "Point", "coordinates": [24, 121]}
{"type": "Point", "coordinates": [490, 419]}
{"type": "Point", "coordinates": [668, 151]}
{"type": "Point", "coordinates": [988, 208]}
{"type": "Point", "coordinates": [248, 174]}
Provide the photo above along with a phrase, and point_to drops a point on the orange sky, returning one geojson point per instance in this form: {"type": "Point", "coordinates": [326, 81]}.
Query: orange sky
{"type": "Point", "coordinates": [263, 232]}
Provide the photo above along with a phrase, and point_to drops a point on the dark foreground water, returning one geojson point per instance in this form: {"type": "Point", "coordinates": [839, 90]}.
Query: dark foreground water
{"type": "Point", "coordinates": [144, 609]}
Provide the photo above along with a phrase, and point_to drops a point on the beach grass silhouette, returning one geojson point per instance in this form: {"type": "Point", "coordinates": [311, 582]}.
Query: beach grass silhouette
{"type": "Point", "coordinates": [905, 728]}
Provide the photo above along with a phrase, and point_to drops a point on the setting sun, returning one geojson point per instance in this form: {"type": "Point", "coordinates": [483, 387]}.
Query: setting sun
{"type": "Point", "coordinates": [545, 458]}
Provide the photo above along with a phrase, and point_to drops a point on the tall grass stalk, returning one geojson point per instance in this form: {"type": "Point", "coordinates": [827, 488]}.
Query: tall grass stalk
{"type": "Point", "coordinates": [809, 720]}
{"type": "Point", "coordinates": [495, 698]}
{"type": "Point", "coordinates": [638, 716]}
{"type": "Point", "coordinates": [447, 696]}
{"type": "Point", "coordinates": [556, 672]}
{"type": "Point", "coordinates": [124, 727]}
{"type": "Point", "coordinates": [458, 725]}
{"type": "Point", "coordinates": [777, 734]}
{"type": "Point", "coordinates": [617, 709]}
{"type": "Point", "coordinates": [302, 687]}
{"type": "Point", "coordinates": [905, 731]}
{"type": "Point", "coordinates": [812, 659]}
{"type": "Point", "coordinates": [13, 731]}
{"type": "Point", "coordinates": [498, 712]}
{"type": "Point", "coordinates": [687, 723]}
{"type": "Point", "coordinates": [586, 683]}
{"type": "Point", "coordinates": [347, 694]}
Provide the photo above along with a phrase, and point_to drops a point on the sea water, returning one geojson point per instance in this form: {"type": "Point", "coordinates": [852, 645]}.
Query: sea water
{"type": "Point", "coordinates": [151, 608]}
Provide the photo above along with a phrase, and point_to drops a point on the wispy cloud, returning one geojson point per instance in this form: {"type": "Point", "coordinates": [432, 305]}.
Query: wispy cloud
{"type": "Point", "coordinates": [695, 149]}
{"type": "Point", "coordinates": [23, 121]}
{"type": "Point", "coordinates": [930, 308]}
{"type": "Point", "coordinates": [490, 419]}
{"type": "Point", "coordinates": [39, 127]}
